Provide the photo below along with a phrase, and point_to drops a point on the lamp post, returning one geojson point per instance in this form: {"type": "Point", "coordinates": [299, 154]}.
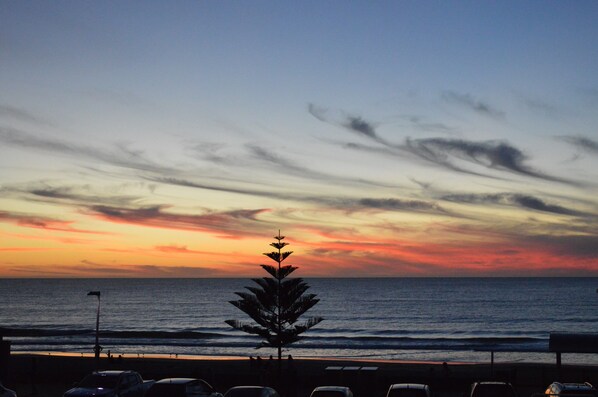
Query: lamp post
{"type": "Point", "coordinates": [97, 348]}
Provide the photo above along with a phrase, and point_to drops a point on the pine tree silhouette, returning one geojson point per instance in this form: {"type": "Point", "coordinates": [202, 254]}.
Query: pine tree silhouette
{"type": "Point", "coordinates": [276, 304]}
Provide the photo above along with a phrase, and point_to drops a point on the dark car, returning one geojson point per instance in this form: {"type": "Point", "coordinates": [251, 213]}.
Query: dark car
{"type": "Point", "coordinates": [251, 391]}
{"type": "Point", "coordinates": [492, 389]}
{"type": "Point", "coordinates": [4, 392]}
{"type": "Point", "coordinates": [408, 390]}
{"type": "Point", "coordinates": [111, 384]}
{"type": "Point", "coordinates": [182, 387]}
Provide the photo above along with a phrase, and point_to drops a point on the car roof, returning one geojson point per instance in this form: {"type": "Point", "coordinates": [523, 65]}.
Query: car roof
{"type": "Point", "coordinates": [575, 386]}
{"type": "Point", "coordinates": [178, 381]}
{"type": "Point", "coordinates": [492, 383]}
{"type": "Point", "coordinates": [408, 386]}
{"type": "Point", "coordinates": [331, 388]}
{"type": "Point", "coordinates": [111, 372]}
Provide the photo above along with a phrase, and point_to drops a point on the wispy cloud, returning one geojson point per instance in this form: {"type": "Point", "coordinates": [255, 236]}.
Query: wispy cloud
{"type": "Point", "coordinates": [89, 268]}
{"type": "Point", "coordinates": [496, 155]}
{"type": "Point", "coordinates": [359, 125]}
{"type": "Point", "coordinates": [582, 143]}
{"type": "Point", "coordinates": [393, 204]}
{"type": "Point", "coordinates": [422, 124]}
{"type": "Point", "coordinates": [579, 245]}
{"type": "Point", "coordinates": [119, 155]}
{"type": "Point", "coordinates": [76, 196]}
{"type": "Point", "coordinates": [22, 249]}
{"type": "Point", "coordinates": [181, 249]}
{"type": "Point", "coordinates": [513, 199]}
{"type": "Point", "coordinates": [41, 222]}
{"type": "Point", "coordinates": [474, 104]}
{"type": "Point", "coordinates": [542, 107]}
{"type": "Point", "coordinates": [354, 124]}
{"type": "Point", "coordinates": [286, 166]}
{"type": "Point", "coordinates": [350, 204]}
{"type": "Point", "coordinates": [229, 224]}
{"type": "Point", "coordinates": [213, 152]}
{"type": "Point", "coordinates": [19, 114]}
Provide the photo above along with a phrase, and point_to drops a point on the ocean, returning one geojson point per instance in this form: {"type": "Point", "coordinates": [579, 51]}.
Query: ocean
{"type": "Point", "coordinates": [427, 319]}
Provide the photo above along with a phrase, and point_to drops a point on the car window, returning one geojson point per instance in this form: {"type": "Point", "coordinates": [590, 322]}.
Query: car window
{"type": "Point", "coordinates": [136, 379]}
{"type": "Point", "coordinates": [196, 389]}
{"type": "Point", "coordinates": [493, 391]}
{"type": "Point", "coordinates": [165, 390]}
{"type": "Point", "coordinates": [256, 392]}
{"type": "Point", "coordinates": [124, 382]}
{"type": "Point", "coordinates": [407, 393]}
{"type": "Point", "coordinates": [327, 393]}
{"type": "Point", "coordinates": [97, 381]}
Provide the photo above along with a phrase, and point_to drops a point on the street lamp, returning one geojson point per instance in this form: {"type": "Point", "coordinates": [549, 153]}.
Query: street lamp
{"type": "Point", "coordinates": [97, 348]}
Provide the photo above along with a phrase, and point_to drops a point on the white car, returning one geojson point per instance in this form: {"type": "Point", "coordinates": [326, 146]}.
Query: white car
{"type": "Point", "coordinates": [408, 390]}
{"type": "Point", "coordinates": [332, 391]}
{"type": "Point", "coordinates": [4, 392]}
{"type": "Point", "coordinates": [558, 389]}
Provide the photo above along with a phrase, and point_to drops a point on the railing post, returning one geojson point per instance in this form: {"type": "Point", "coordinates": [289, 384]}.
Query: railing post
{"type": "Point", "coordinates": [4, 358]}
{"type": "Point", "coordinates": [558, 365]}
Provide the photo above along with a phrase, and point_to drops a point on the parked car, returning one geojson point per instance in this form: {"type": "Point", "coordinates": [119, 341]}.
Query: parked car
{"type": "Point", "coordinates": [409, 390]}
{"type": "Point", "coordinates": [581, 389]}
{"type": "Point", "coordinates": [182, 387]}
{"type": "Point", "coordinates": [4, 392]}
{"type": "Point", "coordinates": [251, 391]}
{"type": "Point", "coordinates": [332, 391]}
{"type": "Point", "coordinates": [111, 384]}
{"type": "Point", "coordinates": [492, 389]}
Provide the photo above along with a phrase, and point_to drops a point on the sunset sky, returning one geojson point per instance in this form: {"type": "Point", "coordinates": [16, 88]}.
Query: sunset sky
{"type": "Point", "coordinates": [400, 138]}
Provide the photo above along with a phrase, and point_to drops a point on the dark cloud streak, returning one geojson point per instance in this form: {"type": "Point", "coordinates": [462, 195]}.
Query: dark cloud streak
{"type": "Point", "coordinates": [490, 154]}
{"type": "Point", "coordinates": [232, 224]}
{"type": "Point", "coordinates": [352, 123]}
{"type": "Point", "coordinates": [513, 199]}
{"type": "Point", "coordinates": [120, 156]}
{"type": "Point", "coordinates": [19, 114]}
{"type": "Point", "coordinates": [582, 143]}
{"type": "Point", "coordinates": [286, 166]}
{"type": "Point", "coordinates": [468, 101]}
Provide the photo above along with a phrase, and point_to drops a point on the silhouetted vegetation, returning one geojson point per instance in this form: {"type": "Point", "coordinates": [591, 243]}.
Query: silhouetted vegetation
{"type": "Point", "coordinates": [276, 303]}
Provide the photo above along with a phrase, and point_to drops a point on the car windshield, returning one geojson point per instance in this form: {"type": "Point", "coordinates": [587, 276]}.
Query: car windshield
{"type": "Point", "coordinates": [407, 393]}
{"type": "Point", "coordinates": [244, 392]}
{"type": "Point", "coordinates": [494, 390]}
{"type": "Point", "coordinates": [99, 381]}
{"type": "Point", "coordinates": [327, 393]}
{"type": "Point", "coordinates": [166, 390]}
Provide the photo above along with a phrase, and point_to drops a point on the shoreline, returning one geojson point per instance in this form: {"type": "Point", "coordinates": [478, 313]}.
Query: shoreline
{"type": "Point", "coordinates": [175, 356]}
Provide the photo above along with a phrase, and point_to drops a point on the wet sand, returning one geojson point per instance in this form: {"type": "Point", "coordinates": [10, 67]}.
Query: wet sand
{"type": "Point", "coordinates": [41, 375]}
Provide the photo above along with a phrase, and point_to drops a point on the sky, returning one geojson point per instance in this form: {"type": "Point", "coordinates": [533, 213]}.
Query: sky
{"type": "Point", "coordinates": [384, 139]}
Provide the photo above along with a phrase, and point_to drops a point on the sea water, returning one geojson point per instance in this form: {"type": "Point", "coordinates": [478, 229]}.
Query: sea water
{"type": "Point", "coordinates": [433, 319]}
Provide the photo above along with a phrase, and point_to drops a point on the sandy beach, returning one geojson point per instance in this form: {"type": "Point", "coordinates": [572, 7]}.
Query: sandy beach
{"type": "Point", "coordinates": [51, 374]}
